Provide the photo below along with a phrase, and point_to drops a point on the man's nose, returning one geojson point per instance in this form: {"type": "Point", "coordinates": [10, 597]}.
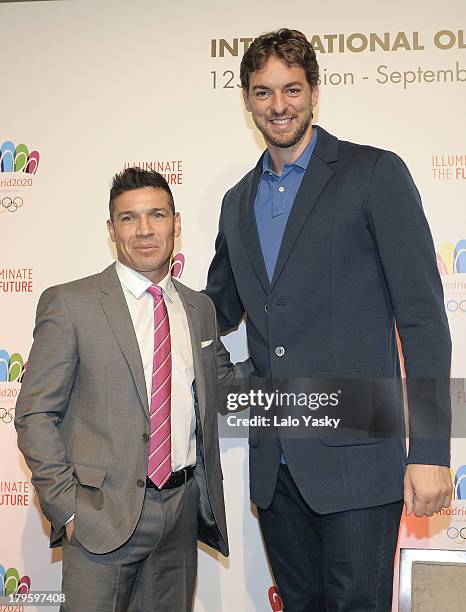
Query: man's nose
{"type": "Point", "coordinates": [279, 103]}
{"type": "Point", "coordinates": [144, 227]}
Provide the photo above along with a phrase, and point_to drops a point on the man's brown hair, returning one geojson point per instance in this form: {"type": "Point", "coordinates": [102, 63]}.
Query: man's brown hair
{"type": "Point", "coordinates": [291, 46]}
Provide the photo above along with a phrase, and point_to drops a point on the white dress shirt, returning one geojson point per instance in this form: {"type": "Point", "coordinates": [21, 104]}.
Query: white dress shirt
{"type": "Point", "coordinates": [141, 309]}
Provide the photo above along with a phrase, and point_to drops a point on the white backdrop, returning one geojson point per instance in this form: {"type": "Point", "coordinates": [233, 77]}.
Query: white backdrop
{"type": "Point", "coordinates": [92, 86]}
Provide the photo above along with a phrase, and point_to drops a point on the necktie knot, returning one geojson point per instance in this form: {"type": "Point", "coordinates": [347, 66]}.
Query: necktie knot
{"type": "Point", "coordinates": [155, 291]}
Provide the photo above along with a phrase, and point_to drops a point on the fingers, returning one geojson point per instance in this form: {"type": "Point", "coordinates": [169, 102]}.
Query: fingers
{"type": "Point", "coordinates": [408, 496]}
{"type": "Point", "coordinates": [444, 501]}
{"type": "Point", "coordinates": [446, 491]}
{"type": "Point", "coordinates": [427, 506]}
{"type": "Point", "coordinates": [427, 489]}
{"type": "Point", "coordinates": [423, 507]}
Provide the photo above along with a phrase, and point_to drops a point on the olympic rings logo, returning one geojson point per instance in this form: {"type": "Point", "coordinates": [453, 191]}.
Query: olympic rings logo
{"type": "Point", "coordinates": [10, 204]}
{"type": "Point", "coordinates": [458, 535]}
{"type": "Point", "coordinates": [6, 416]}
{"type": "Point", "coordinates": [456, 306]}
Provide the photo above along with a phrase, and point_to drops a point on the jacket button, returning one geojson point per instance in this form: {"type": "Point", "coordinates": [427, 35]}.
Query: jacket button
{"type": "Point", "coordinates": [279, 351]}
{"type": "Point", "coordinates": [145, 437]}
{"type": "Point", "coordinates": [140, 483]}
{"type": "Point", "coordinates": [266, 308]}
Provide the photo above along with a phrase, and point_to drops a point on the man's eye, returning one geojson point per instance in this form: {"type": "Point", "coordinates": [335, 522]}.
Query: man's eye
{"type": "Point", "coordinates": [126, 218]}
{"type": "Point", "coordinates": [262, 94]}
{"type": "Point", "coordinates": [293, 91]}
{"type": "Point", "coordinates": [157, 215]}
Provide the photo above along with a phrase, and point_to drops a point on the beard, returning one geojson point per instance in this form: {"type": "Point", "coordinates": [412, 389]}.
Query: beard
{"type": "Point", "coordinates": [286, 140]}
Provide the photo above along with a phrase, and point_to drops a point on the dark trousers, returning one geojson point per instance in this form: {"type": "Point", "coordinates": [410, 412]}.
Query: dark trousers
{"type": "Point", "coordinates": [340, 562]}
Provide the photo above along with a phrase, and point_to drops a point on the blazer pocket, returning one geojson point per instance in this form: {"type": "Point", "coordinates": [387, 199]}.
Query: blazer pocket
{"type": "Point", "coordinates": [348, 440]}
{"type": "Point", "coordinates": [89, 475]}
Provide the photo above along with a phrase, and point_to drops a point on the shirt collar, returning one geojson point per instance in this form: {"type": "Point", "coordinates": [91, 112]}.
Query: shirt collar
{"type": "Point", "coordinates": [137, 284]}
{"type": "Point", "coordinates": [301, 162]}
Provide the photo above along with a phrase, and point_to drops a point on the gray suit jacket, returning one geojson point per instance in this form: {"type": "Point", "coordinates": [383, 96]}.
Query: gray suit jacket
{"type": "Point", "coordinates": [82, 416]}
{"type": "Point", "coordinates": [356, 257]}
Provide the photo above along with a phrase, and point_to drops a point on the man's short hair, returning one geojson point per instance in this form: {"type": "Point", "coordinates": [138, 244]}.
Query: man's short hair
{"type": "Point", "coordinates": [136, 178]}
{"type": "Point", "coordinates": [291, 46]}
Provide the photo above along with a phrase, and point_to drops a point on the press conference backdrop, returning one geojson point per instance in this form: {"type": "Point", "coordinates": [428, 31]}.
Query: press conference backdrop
{"type": "Point", "coordinates": [88, 88]}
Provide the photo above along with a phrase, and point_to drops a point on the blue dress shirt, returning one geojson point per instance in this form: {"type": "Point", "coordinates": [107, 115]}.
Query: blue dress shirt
{"type": "Point", "coordinates": [274, 199]}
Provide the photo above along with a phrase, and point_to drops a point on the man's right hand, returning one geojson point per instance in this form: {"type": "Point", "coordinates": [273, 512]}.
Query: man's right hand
{"type": "Point", "coordinates": [69, 527]}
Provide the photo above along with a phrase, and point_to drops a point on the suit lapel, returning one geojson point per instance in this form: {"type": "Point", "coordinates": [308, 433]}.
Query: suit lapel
{"type": "Point", "coordinates": [194, 317]}
{"type": "Point", "coordinates": [116, 310]}
{"type": "Point", "coordinates": [315, 178]}
{"type": "Point", "coordinates": [248, 227]}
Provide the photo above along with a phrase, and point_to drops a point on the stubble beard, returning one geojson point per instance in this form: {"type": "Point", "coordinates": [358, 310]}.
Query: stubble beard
{"type": "Point", "coordinates": [286, 141]}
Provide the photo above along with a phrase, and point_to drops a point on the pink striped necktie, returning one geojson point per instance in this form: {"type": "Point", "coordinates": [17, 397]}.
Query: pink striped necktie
{"type": "Point", "coordinates": [159, 467]}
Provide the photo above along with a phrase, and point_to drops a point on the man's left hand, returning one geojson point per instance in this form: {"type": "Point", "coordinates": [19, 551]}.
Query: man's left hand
{"type": "Point", "coordinates": [427, 489]}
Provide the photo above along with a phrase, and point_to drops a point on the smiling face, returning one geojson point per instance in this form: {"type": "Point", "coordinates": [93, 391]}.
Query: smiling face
{"type": "Point", "coordinates": [281, 102]}
{"type": "Point", "coordinates": [143, 229]}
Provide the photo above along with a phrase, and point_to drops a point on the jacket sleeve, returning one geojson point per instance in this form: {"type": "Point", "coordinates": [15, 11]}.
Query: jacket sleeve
{"type": "Point", "coordinates": [42, 403]}
{"type": "Point", "coordinates": [407, 256]}
{"type": "Point", "coordinates": [231, 378]}
{"type": "Point", "coordinates": [221, 285]}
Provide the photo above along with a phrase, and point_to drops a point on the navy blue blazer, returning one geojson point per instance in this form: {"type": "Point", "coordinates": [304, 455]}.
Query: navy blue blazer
{"type": "Point", "coordinates": [356, 262]}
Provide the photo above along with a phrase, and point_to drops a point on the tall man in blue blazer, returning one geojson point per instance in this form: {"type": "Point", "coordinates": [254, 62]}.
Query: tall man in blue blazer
{"type": "Point", "coordinates": [324, 246]}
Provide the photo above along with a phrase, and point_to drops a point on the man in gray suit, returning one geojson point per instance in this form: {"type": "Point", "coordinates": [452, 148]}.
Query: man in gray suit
{"type": "Point", "coordinates": [325, 247]}
{"type": "Point", "coordinates": [117, 416]}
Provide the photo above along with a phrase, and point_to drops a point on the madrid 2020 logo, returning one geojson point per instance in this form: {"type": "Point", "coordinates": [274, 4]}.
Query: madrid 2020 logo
{"type": "Point", "coordinates": [17, 167]}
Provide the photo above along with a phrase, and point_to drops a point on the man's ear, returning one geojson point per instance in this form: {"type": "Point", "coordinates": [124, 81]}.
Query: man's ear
{"type": "Point", "coordinates": [111, 230]}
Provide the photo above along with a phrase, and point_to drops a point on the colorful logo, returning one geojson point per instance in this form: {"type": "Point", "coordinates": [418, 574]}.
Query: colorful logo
{"type": "Point", "coordinates": [18, 159]}
{"type": "Point", "coordinates": [457, 532]}
{"type": "Point", "coordinates": [459, 483]}
{"type": "Point", "coordinates": [11, 583]}
{"type": "Point", "coordinates": [275, 600]}
{"type": "Point", "coordinates": [11, 367]}
{"type": "Point", "coordinates": [452, 259]}
{"type": "Point", "coordinates": [177, 266]}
